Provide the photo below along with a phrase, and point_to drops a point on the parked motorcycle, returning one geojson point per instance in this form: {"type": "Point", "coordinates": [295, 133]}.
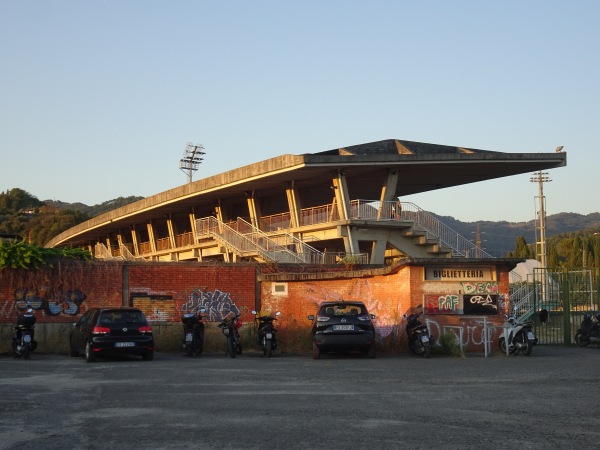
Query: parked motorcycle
{"type": "Point", "coordinates": [520, 336]}
{"type": "Point", "coordinates": [267, 334]}
{"type": "Point", "coordinates": [588, 332]}
{"type": "Point", "coordinates": [193, 332]}
{"type": "Point", "coordinates": [23, 343]}
{"type": "Point", "coordinates": [420, 342]}
{"type": "Point", "coordinates": [230, 326]}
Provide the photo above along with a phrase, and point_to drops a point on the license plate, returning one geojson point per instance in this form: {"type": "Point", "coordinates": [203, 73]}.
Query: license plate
{"type": "Point", "coordinates": [189, 337]}
{"type": "Point", "coordinates": [27, 338]}
{"type": "Point", "coordinates": [424, 338]}
{"type": "Point", "coordinates": [124, 344]}
{"type": "Point", "coordinates": [530, 335]}
{"type": "Point", "coordinates": [343, 327]}
{"type": "Point", "coordinates": [226, 331]}
{"type": "Point", "coordinates": [269, 335]}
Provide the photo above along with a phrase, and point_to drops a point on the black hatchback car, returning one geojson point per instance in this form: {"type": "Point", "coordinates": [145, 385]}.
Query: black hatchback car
{"type": "Point", "coordinates": [112, 331]}
{"type": "Point", "coordinates": [343, 326]}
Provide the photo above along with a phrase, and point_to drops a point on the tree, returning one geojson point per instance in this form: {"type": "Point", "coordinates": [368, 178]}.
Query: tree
{"type": "Point", "coordinates": [521, 249]}
{"type": "Point", "coordinates": [17, 199]}
{"type": "Point", "coordinates": [553, 259]}
{"type": "Point", "coordinates": [576, 254]}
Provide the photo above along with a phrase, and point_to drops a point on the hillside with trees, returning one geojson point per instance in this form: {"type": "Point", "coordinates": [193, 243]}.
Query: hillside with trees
{"type": "Point", "coordinates": [26, 217]}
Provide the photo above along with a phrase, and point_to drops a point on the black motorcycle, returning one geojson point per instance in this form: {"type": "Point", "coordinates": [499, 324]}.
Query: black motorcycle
{"type": "Point", "coordinates": [230, 326]}
{"type": "Point", "coordinates": [420, 342]}
{"type": "Point", "coordinates": [588, 332]}
{"type": "Point", "coordinates": [267, 334]}
{"type": "Point", "coordinates": [193, 332]}
{"type": "Point", "coordinates": [23, 343]}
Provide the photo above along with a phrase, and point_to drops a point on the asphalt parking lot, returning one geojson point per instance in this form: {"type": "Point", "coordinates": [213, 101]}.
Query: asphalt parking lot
{"type": "Point", "coordinates": [547, 400]}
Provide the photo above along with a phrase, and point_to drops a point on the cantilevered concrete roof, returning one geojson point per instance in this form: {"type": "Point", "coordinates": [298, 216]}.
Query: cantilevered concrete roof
{"type": "Point", "coordinates": [421, 167]}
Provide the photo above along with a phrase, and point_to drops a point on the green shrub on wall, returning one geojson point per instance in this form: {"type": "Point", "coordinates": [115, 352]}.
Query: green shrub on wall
{"type": "Point", "coordinates": [21, 255]}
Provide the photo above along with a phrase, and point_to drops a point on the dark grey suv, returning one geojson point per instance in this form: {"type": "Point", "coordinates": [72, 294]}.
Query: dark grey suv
{"type": "Point", "coordinates": [112, 331]}
{"type": "Point", "coordinates": [343, 326]}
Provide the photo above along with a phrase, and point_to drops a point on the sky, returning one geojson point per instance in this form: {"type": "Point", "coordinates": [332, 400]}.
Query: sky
{"type": "Point", "coordinates": [100, 98]}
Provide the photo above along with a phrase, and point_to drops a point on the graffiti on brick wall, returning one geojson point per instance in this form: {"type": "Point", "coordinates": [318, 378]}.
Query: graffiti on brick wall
{"type": "Point", "coordinates": [480, 304]}
{"type": "Point", "coordinates": [156, 307]}
{"type": "Point", "coordinates": [218, 304]}
{"type": "Point", "coordinates": [389, 311]}
{"type": "Point", "coordinates": [482, 287]}
{"type": "Point", "coordinates": [442, 303]}
{"type": "Point", "coordinates": [52, 303]}
{"type": "Point", "coordinates": [472, 333]}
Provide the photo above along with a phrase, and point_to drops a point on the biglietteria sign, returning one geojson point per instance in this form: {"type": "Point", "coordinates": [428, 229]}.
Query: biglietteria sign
{"type": "Point", "coordinates": [458, 274]}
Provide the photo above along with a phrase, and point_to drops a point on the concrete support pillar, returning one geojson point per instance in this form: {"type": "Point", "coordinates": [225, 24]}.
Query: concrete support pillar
{"type": "Point", "coordinates": [192, 217]}
{"type": "Point", "coordinates": [254, 210]}
{"type": "Point", "coordinates": [171, 230]}
{"type": "Point", "coordinates": [134, 240]}
{"type": "Point", "coordinates": [120, 243]}
{"type": "Point", "coordinates": [342, 200]}
{"type": "Point", "coordinates": [378, 251]}
{"type": "Point", "coordinates": [294, 206]}
{"type": "Point", "coordinates": [388, 190]}
{"type": "Point", "coordinates": [151, 236]}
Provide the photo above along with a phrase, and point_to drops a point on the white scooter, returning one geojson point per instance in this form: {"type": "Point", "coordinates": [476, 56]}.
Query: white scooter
{"type": "Point", "coordinates": [520, 336]}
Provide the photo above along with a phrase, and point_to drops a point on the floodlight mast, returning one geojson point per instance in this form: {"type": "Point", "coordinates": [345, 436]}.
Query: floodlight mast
{"type": "Point", "coordinates": [541, 178]}
{"type": "Point", "coordinates": [191, 159]}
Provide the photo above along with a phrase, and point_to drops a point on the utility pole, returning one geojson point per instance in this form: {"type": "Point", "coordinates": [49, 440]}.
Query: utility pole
{"type": "Point", "coordinates": [541, 178]}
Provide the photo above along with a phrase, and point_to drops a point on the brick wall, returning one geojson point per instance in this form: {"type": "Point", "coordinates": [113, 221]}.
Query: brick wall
{"type": "Point", "coordinates": [387, 296]}
{"type": "Point", "coordinates": [165, 290]}
{"type": "Point", "coordinates": [162, 290]}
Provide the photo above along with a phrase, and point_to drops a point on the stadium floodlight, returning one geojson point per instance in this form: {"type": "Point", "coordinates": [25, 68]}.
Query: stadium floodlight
{"type": "Point", "coordinates": [191, 159]}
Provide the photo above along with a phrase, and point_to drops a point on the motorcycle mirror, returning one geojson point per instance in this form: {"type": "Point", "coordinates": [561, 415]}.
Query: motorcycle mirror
{"type": "Point", "coordinates": [278, 313]}
{"type": "Point", "coordinates": [254, 312]}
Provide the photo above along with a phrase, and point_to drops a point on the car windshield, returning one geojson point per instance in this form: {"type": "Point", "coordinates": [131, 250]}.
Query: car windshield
{"type": "Point", "coordinates": [343, 310]}
{"type": "Point", "coordinates": [122, 317]}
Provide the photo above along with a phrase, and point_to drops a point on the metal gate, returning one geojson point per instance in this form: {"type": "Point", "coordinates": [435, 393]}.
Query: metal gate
{"type": "Point", "coordinates": [561, 298]}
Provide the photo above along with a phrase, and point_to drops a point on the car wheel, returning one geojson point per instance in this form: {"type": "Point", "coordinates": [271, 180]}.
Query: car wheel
{"type": "Point", "coordinates": [316, 352]}
{"type": "Point", "coordinates": [90, 356]}
{"type": "Point", "coordinates": [148, 356]}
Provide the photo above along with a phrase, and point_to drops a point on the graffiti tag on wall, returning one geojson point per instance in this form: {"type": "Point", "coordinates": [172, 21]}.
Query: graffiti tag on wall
{"type": "Point", "coordinates": [480, 304]}
{"type": "Point", "coordinates": [442, 304]}
{"type": "Point", "coordinates": [218, 304]}
{"type": "Point", "coordinates": [52, 303]}
{"type": "Point", "coordinates": [487, 287]}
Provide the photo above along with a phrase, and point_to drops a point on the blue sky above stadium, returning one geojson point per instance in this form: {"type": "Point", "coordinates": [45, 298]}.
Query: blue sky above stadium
{"type": "Point", "coordinates": [100, 98]}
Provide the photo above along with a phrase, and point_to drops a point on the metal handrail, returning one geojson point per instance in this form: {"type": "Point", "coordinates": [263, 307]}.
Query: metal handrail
{"type": "Point", "coordinates": [435, 229]}
{"type": "Point", "coordinates": [244, 243]}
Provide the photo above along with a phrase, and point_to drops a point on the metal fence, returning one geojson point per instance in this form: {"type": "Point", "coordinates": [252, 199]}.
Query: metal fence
{"type": "Point", "coordinates": [560, 299]}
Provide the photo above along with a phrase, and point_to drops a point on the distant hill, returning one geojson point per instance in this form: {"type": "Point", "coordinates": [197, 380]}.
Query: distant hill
{"type": "Point", "coordinates": [94, 210]}
{"type": "Point", "coordinates": [499, 238]}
